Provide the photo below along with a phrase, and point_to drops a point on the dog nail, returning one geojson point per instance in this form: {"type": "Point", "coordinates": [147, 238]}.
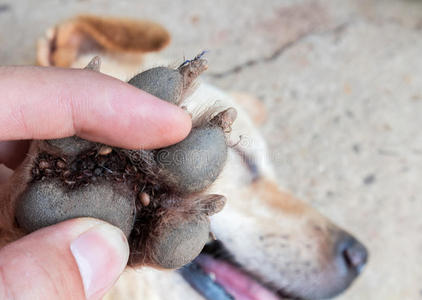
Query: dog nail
{"type": "Point", "coordinates": [94, 64]}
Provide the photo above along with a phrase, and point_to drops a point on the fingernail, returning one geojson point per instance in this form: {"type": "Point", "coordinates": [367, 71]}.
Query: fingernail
{"type": "Point", "coordinates": [101, 254]}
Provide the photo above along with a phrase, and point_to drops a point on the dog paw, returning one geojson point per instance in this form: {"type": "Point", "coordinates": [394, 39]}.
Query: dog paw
{"type": "Point", "coordinates": [156, 197]}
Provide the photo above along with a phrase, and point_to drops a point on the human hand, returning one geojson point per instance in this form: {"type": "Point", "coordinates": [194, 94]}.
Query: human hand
{"type": "Point", "coordinates": [81, 257]}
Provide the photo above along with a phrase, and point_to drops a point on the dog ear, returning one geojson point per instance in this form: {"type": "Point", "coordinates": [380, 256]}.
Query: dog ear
{"type": "Point", "coordinates": [91, 34]}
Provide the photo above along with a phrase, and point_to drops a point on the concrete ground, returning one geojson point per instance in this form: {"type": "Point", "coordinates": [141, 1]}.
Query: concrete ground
{"type": "Point", "coordinates": [342, 83]}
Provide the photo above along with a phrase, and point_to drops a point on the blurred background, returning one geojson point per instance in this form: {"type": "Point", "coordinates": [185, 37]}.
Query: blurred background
{"type": "Point", "coordinates": [340, 83]}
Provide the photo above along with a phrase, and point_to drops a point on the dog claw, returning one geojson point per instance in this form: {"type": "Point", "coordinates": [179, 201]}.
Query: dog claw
{"type": "Point", "coordinates": [225, 119]}
{"type": "Point", "coordinates": [191, 69]}
{"type": "Point", "coordinates": [94, 64]}
{"type": "Point", "coordinates": [212, 203]}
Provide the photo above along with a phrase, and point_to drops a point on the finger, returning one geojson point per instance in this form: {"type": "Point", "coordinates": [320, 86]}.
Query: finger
{"type": "Point", "coordinates": [45, 103]}
{"type": "Point", "coordinates": [12, 153]}
{"type": "Point", "coordinates": [72, 260]}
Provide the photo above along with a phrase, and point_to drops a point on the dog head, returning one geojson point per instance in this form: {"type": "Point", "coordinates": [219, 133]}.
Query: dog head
{"type": "Point", "coordinates": [283, 244]}
{"type": "Point", "coordinates": [266, 239]}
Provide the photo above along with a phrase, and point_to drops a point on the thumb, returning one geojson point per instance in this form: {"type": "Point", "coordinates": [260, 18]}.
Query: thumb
{"type": "Point", "coordinates": [76, 259]}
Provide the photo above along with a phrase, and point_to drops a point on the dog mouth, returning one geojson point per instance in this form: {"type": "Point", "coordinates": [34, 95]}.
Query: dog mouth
{"type": "Point", "coordinates": [216, 275]}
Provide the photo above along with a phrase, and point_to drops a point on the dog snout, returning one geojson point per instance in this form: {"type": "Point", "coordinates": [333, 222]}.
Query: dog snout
{"type": "Point", "coordinates": [346, 261]}
{"type": "Point", "coordinates": [352, 254]}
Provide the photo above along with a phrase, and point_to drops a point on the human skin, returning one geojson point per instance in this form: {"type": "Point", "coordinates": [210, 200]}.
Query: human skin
{"type": "Point", "coordinates": [46, 103]}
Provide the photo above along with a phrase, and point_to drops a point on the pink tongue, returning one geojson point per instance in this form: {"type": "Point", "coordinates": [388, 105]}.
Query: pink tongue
{"type": "Point", "coordinates": [234, 281]}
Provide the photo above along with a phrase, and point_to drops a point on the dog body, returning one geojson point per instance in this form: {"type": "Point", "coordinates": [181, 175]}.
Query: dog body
{"type": "Point", "coordinates": [269, 244]}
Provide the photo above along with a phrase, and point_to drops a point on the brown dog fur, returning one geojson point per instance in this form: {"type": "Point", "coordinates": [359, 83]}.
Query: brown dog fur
{"type": "Point", "coordinates": [87, 33]}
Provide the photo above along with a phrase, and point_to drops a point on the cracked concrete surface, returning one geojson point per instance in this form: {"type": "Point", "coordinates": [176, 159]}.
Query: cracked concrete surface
{"type": "Point", "coordinates": [342, 85]}
{"type": "Point", "coordinates": [277, 53]}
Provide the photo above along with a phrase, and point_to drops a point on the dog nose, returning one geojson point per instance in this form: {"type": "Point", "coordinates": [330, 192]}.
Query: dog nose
{"type": "Point", "coordinates": [353, 254]}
